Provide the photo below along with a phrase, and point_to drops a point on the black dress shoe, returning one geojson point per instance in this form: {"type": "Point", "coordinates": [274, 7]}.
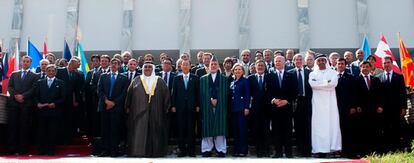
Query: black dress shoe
{"type": "Point", "coordinates": [182, 154]}
{"type": "Point", "coordinates": [235, 155]}
{"type": "Point", "coordinates": [277, 156]}
{"type": "Point", "coordinates": [206, 154]}
{"type": "Point", "coordinates": [221, 154]}
{"type": "Point", "coordinates": [191, 155]}
{"type": "Point", "coordinates": [242, 155]}
{"type": "Point", "coordinates": [104, 154]}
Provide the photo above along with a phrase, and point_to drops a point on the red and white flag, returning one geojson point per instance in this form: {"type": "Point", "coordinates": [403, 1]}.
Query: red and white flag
{"type": "Point", "coordinates": [384, 50]}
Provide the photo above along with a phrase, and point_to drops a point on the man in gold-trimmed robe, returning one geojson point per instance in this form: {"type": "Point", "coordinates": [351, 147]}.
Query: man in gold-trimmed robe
{"type": "Point", "coordinates": [147, 103]}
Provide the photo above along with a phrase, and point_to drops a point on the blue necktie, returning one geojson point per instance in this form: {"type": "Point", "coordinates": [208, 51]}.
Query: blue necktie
{"type": "Point", "coordinates": [166, 77]}
{"type": "Point", "coordinates": [388, 81]}
{"type": "Point", "coordinates": [49, 82]}
{"type": "Point", "coordinates": [280, 79]}
{"type": "Point", "coordinates": [113, 79]}
{"type": "Point", "coordinates": [260, 82]}
{"type": "Point", "coordinates": [24, 75]}
{"type": "Point", "coordinates": [300, 83]}
{"type": "Point", "coordinates": [186, 81]}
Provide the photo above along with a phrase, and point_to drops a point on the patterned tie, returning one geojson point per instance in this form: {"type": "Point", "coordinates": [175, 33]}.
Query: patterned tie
{"type": "Point", "coordinates": [113, 79]}
{"type": "Point", "coordinates": [300, 82]}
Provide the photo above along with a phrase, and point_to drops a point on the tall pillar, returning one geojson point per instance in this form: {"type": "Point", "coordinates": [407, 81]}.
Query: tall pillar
{"type": "Point", "coordinates": [244, 25]}
{"type": "Point", "coordinates": [362, 18]}
{"type": "Point", "coordinates": [72, 17]}
{"type": "Point", "coordinates": [303, 25]}
{"type": "Point", "coordinates": [185, 26]}
{"type": "Point", "coordinates": [127, 23]}
{"type": "Point", "coordinates": [17, 25]}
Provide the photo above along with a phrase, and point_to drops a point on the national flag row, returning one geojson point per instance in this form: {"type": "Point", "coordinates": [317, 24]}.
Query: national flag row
{"type": "Point", "coordinates": [383, 49]}
{"type": "Point", "coordinates": [10, 61]}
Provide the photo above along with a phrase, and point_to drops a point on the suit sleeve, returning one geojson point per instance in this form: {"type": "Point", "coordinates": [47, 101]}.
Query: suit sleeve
{"type": "Point", "coordinates": [174, 92]}
{"type": "Point", "coordinates": [11, 85]}
{"type": "Point", "coordinates": [121, 98]}
{"type": "Point", "coordinates": [29, 92]}
{"type": "Point", "coordinates": [246, 94]}
{"type": "Point", "coordinates": [100, 90]}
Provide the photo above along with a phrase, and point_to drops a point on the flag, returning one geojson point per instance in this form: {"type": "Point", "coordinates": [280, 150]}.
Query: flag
{"type": "Point", "coordinates": [365, 47]}
{"type": "Point", "coordinates": [10, 64]}
{"type": "Point", "coordinates": [384, 50]}
{"type": "Point", "coordinates": [84, 62]}
{"type": "Point", "coordinates": [407, 65]}
{"type": "Point", "coordinates": [66, 52]}
{"type": "Point", "coordinates": [44, 49]}
{"type": "Point", "coordinates": [34, 54]}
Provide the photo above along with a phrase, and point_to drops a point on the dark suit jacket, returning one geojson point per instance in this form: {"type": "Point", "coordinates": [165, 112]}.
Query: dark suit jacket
{"type": "Point", "coordinates": [288, 91]}
{"type": "Point", "coordinates": [195, 68]}
{"type": "Point", "coordinates": [73, 85]}
{"type": "Point", "coordinates": [45, 95]}
{"type": "Point", "coordinates": [346, 93]}
{"type": "Point", "coordinates": [308, 88]}
{"type": "Point", "coordinates": [185, 100]}
{"type": "Point", "coordinates": [394, 94]}
{"type": "Point", "coordinates": [259, 103]}
{"type": "Point", "coordinates": [24, 87]}
{"type": "Point", "coordinates": [118, 92]}
{"type": "Point", "coordinates": [240, 95]}
{"type": "Point", "coordinates": [355, 70]}
{"type": "Point", "coordinates": [201, 72]}
{"type": "Point", "coordinates": [135, 75]}
{"type": "Point", "coordinates": [170, 79]}
{"type": "Point", "coordinates": [368, 99]}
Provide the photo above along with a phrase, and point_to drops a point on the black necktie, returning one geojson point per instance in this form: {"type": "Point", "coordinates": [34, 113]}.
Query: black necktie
{"type": "Point", "coordinates": [300, 82]}
{"type": "Point", "coordinates": [130, 75]}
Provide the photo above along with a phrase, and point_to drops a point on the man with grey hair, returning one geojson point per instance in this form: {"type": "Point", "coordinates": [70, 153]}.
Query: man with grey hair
{"type": "Point", "coordinates": [333, 57]}
{"type": "Point", "coordinates": [351, 68]}
{"type": "Point", "coordinates": [43, 64]}
{"type": "Point", "coordinates": [303, 107]}
{"type": "Point", "coordinates": [126, 56]}
{"type": "Point", "coordinates": [267, 55]}
{"type": "Point", "coordinates": [245, 55]}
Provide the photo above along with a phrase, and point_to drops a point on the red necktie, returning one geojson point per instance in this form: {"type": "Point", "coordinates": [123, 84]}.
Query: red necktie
{"type": "Point", "coordinates": [368, 81]}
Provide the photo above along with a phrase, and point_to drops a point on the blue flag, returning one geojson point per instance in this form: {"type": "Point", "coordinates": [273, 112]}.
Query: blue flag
{"type": "Point", "coordinates": [84, 63]}
{"type": "Point", "coordinates": [66, 52]}
{"type": "Point", "coordinates": [365, 47]}
{"type": "Point", "coordinates": [34, 54]}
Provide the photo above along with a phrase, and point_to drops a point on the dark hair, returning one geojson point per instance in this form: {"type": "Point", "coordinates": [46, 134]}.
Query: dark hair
{"type": "Point", "coordinates": [388, 57]}
{"type": "Point", "coordinates": [364, 63]}
{"type": "Point", "coordinates": [167, 58]}
{"type": "Point", "coordinates": [341, 60]}
{"type": "Point", "coordinates": [258, 51]}
{"type": "Point", "coordinates": [106, 56]}
{"type": "Point", "coordinates": [95, 56]}
{"type": "Point", "coordinates": [372, 56]}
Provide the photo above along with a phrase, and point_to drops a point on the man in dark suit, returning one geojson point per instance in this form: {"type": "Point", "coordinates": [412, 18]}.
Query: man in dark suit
{"type": "Point", "coordinates": [112, 89]}
{"type": "Point", "coordinates": [167, 73]}
{"type": "Point", "coordinates": [132, 70]}
{"type": "Point", "coordinates": [42, 70]}
{"type": "Point", "coordinates": [72, 112]}
{"type": "Point", "coordinates": [101, 66]}
{"type": "Point", "coordinates": [168, 76]}
{"type": "Point", "coordinates": [49, 99]}
{"type": "Point", "coordinates": [204, 70]}
{"type": "Point", "coordinates": [200, 62]}
{"type": "Point", "coordinates": [370, 122]}
{"type": "Point", "coordinates": [259, 109]}
{"type": "Point", "coordinates": [185, 103]}
{"type": "Point", "coordinates": [395, 103]}
{"type": "Point", "coordinates": [267, 55]}
{"type": "Point", "coordinates": [91, 96]}
{"type": "Point", "coordinates": [303, 109]}
{"type": "Point", "coordinates": [348, 116]}
{"type": "Point", "coordinates": [20, 87]}
{"type": "Point", "coordinates": [351, 68]}
{"type": "Point", "coordinates": [281, 90]}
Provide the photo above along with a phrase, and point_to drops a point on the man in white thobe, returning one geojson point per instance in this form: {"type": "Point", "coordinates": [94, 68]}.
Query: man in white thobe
{"type": "Point", "coordinates": [326, 133]}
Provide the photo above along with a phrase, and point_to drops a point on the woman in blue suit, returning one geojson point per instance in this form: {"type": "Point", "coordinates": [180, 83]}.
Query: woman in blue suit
{"type": "Point", "coordinates": [240, 100]}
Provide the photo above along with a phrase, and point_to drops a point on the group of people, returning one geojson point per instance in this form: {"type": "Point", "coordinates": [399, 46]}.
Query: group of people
{"type": "Point", "coordinates": [330, 105]}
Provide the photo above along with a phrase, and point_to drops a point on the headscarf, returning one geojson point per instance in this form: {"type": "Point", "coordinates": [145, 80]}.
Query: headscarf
{"type": "Point", "coordinates": [149, 82]}
{"type": "Point", "coordinates": [320, 56]}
